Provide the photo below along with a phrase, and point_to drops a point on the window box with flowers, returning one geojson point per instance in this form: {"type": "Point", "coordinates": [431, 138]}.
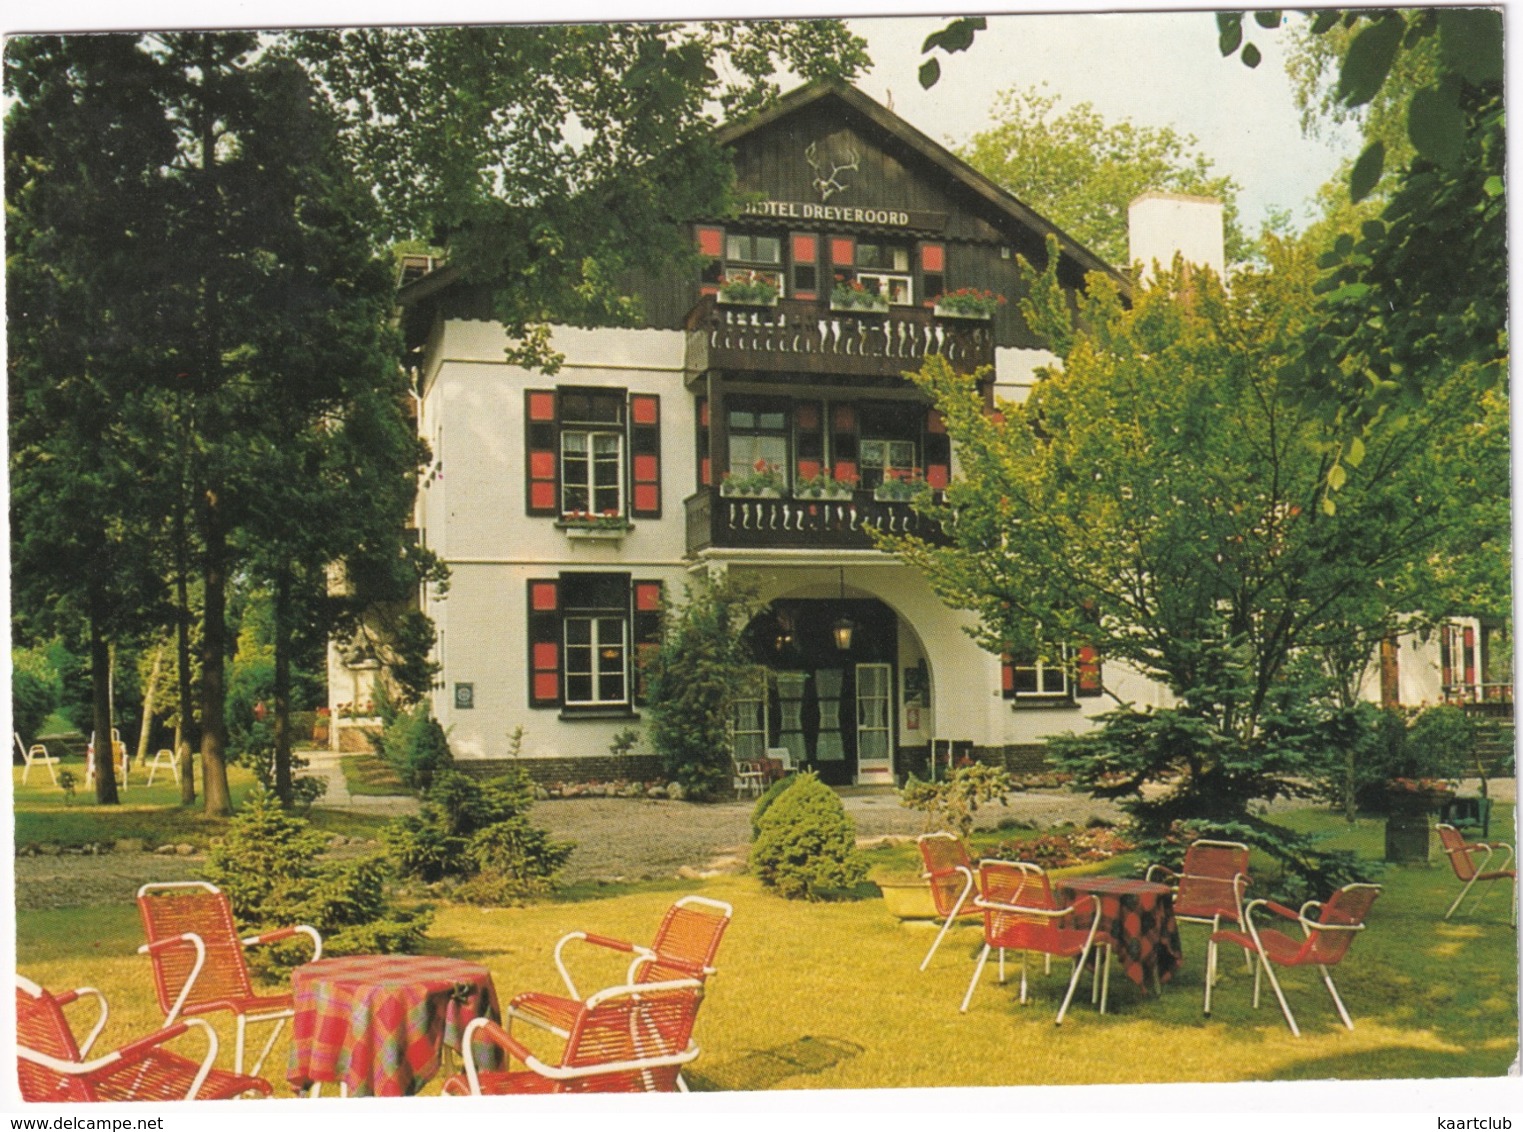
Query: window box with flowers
{"type": "Point", "coordinates": [749, 289]}
{"type": "Point", "coordinates": [608, 526]}
{"type": "Point", "coordinates": [899, 489]}
{"type": "Point", "coordinates": [968, 302]}
{"type": "Point", "coordinates": [825, 486]}
{"type": "Point", "coordinates": [854, 296]}
{"type": "Point", "coordinates": [763, 481]}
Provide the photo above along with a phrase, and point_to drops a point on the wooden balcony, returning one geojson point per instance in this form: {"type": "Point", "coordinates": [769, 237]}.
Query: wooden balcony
{"type": "Point", "coordinates": [715, 520]}
{"type": "Point", "coordinates": [806, 338]}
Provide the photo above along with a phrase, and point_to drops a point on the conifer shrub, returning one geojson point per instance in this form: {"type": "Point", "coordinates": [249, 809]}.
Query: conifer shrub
{"type": "Point", "coordinates": [764, 803]}
{"type": "Point", "coordinates": [806, 844]}
{"type": "Point", "coordinates": [476, 838]}
{"type": "Point", "coordinates": [416, 747]}
{"type": "Point", "coordinates": [270, 865]}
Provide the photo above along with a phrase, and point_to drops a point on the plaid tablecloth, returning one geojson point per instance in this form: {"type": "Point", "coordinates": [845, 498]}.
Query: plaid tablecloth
{"type": "Point", "coordinates": [377, 1023]}
{"type": "Point", "coordinates": [1139, 918]}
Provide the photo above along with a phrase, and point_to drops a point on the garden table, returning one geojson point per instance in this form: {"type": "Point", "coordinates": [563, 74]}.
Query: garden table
{"type": "Point", "coordinates": [377, 1023]}
{"type": "Point", "coordinates": [1138, 916]}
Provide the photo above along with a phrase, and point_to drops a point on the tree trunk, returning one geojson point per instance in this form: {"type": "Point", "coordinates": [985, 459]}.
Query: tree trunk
{"type": "Point", "coordinates": [185, 733]}
{"type": "Point", "coordinates": [149, 695]}
{"type": "Point", "coordinates": [283, 784]}
{"type": "Point", "coordinates": [219, 800]}
{"type": "Point", "coordinates": [100, 691]}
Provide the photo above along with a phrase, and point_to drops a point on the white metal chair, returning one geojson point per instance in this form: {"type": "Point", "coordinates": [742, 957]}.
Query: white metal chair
{"type": "Point", "coordinates": [163, 757]}
{"type": "Point", "coordinates": [120, 760]}
{"type": "Point", "coordinates": [35, 755]}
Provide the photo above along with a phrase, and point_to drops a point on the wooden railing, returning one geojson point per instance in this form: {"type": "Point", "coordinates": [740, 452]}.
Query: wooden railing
{"type": "Point", "coordinates": [715, 520]}
{"type": "Point", "coordinates": [805, 336]}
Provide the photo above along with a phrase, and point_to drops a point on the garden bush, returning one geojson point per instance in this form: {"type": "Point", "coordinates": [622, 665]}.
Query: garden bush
{"type": "Point", "coordinates": [34, 692]}
{"type": "Point", "coordinates": [270, 865]}
{"type": "Point", "coordinates": [416, 747]}
{"type": "Point", "coordinates": [806, 843]}
{"type": "Point", "coordinates": [764, 803]}
{"type": "Point", "coordinates": [477, 836]}
{"type": "Point", "coordinates": [952, 804]}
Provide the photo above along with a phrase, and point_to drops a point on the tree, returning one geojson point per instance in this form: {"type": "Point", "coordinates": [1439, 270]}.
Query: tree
{"type": "Point", "coordinates": [1158, 497]}
{"type": "Point", "coordinates": [692, 681]}
{"type": "Point", "coordinates": [514, 145]}
{"type": "Point", "coordinates": [1081, 172]}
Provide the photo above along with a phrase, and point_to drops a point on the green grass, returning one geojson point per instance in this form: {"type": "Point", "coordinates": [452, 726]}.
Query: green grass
{"type": "Point", "coordinates": [370, 775]}
{"type": "Point", "coordinates": [152, 814]}
{"type": "Point", "coordinates": [828, 995]}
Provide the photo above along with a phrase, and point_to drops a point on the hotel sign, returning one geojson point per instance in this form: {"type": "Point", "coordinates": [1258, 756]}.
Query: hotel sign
{"type": "Point", "coordinates": [846, 214]}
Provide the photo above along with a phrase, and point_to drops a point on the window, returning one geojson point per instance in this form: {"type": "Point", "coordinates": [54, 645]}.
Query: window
{"type": "Point", "coordinates": [585, 633]}
{"type": "Point", "coordinates": [758, 435]}
{"type": "Point", "coordinates": [593, 451]}
{"type": "Point", "coordinates": [885, 269]}
{"type": "Point", "coordinates": [890, 442]}
{"type": "Point", "coordinates": [1057, 674]}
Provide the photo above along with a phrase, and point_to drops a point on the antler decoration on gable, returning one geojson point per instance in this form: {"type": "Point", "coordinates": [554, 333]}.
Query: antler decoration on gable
{"type": "Point", "coordinates": [828, 186]}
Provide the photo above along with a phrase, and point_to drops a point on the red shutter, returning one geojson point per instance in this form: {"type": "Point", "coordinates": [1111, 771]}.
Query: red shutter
{"type": "Point", "coordinates": [1007, 677]}
{"type": "Point", "coordinates": [806, 253]}
{"type": "Point", "coordinates": [544, 643]}
{"type": "Point", "coordinates": [843, 251]}
{"type": "Point", "coordinates": [809, 439]}
{"type": "Point", "coordinates": [541, 453]}
{"type": "Point", "coordinates": [843, 443]}
{"type": "Point", "coordinates": [710, 240]}
{"type": "Point", "coordinates": [649, 603]}
{"type": "Point", "coordinates": [933, 257]}
{"type": "Point", "coordinates": [645, 455]}
{"type": "Point", "coordinates": [701, 446]}
{"type": "Point", "coordinates": [1088, 671]}
{"type": "Point", "coordinates": [938, 451]}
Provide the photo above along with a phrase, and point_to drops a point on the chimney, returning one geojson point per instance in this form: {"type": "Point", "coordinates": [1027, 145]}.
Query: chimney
{"type": "Point", "coordinates": [1161, 225]}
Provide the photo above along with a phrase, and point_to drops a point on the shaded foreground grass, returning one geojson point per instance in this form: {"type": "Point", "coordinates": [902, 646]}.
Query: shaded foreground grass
{"type": "Point", "coordinates": [828, 995]}
{"type": "Point", "coordinates": [371, 775]}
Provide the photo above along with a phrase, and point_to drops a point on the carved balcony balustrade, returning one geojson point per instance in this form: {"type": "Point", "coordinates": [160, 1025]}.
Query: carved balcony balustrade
{"type": "Point", "coordinates": [715, 520]}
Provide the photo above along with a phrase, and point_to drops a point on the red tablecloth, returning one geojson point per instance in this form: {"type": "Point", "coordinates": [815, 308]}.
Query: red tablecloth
{"type": "Point", "coordinates": [377, 1023]}
{"type": "Point", "coordinates": [1138, 916]}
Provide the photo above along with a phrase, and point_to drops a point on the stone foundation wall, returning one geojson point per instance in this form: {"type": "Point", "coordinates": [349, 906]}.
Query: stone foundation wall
{"type": "Point", "coordinates": [582, 768]}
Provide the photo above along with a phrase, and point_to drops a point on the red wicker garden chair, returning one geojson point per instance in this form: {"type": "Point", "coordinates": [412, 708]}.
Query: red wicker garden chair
{"type": "Point", "coordinates": [198, 961]}
{"type": "Point", "coordinates": [683, 948]}
{"type": "Point", "coordinates": [1462, 856]}
{"type": "Point", "coordinates": [949, 869]}
{"type": "Point", "coordinates": [1020, 914]}
{"type": "Point", "coordinates": [1324, 942]}
{"type": "Point", "coordinates": [52, 1066]}
{"type": "Point", "coordinates": [1209, 886]}
{"type": "Point", "coordinates": [628, 1039]}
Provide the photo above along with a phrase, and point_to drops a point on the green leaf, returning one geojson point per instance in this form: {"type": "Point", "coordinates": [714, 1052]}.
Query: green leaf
{"type": "Point", "coordinates": [1251, 56]}
{"type": "Point", "coordinates": [1436, 124]}
{"type": "Point", "coordinates": [1355, 455]}
{"type": "Point", "coordinates": [1326, 20]}
{"type": "Point", "coordinates": [1229, 26]}
{"type": "Point", "coordinates": [1329, 508]}
{"type": "Point", "coordinates": [1470, 43]}
{"type": "Point", "coordinates": [1268, 19]}
{"type": "Point", "coordinates": [1493, 186]}
{"type": "Point", "coordinates": [1369, 60]}
{"type": "Point", "coordinates": [930, 72]}
{"type": "Point", "coordinates": [1336, 477]}
{"type": "Point", "coordinates": [1367, 170]}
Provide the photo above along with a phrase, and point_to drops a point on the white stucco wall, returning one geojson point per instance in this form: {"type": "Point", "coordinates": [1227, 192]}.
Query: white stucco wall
{"type": "Point", "coordinates": [1159, 225]}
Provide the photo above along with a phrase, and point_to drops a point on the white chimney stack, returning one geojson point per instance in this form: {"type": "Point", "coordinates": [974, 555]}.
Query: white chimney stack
{"type": "Point", "coordinates": [1161, 225]}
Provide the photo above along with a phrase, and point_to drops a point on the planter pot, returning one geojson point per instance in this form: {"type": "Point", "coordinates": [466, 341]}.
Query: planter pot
{"type": "Point", "coordinates": [907, 898]}
{"type": "Point", "coordinates": [597, 534]}
{"type": "Point", "coordinates": [765, 303]}
{"type": "Point", "coordinates": [761, 493]}
{"type": "Point", "coordinates": [942, 312]}
{"type": "Point", "coordinates": [1407, 837]}
{"type": "Point", "coordinates": [826, 497]}
{"type": "Point", "coordinates": [883, 497]}
{"type": "Point", "coordinates": [845, 308]}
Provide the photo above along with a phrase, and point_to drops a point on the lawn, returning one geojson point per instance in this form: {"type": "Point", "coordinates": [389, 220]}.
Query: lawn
{"type": "Point", "coordinates": [828, 996]}
{"type": "Point", "coordinates": [371, 775]}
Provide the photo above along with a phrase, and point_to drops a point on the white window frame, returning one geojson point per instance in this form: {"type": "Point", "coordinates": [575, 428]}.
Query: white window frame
{"type": "Point", "coordinates": [1059, 668]}
{"type": "Point", "coordinates": [898, 289]}
{"type": "Point", "coordinates": [590, 484]}
{"type": "Point", "coordinates": [599, 668]}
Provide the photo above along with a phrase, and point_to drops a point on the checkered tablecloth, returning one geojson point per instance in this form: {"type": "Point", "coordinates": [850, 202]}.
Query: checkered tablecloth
{"type": "Point", "coordinates": [1139, 918]}
{"type": "Point", "coordinates": [377, 1023]}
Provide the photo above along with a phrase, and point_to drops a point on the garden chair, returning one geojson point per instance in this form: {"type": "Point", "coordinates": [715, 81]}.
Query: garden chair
{"type": "Point", "coordinates": [1324, 942]}
{"type": "Point", "coordinates": [684, 947]}
{"type": "Point", "coordinates": [163, 757]}
{"type": "Point", "coordinates": [1209, 886]}
{"type": "Point", "coordinates": [626, 1039]}
{"type": "Point", "coordinates": [53, 1067]}
{"type": "Point", "coordinates": [949, 869]}
{"type": "Point", "coordinates": [35, 755]}
{"type": "Point", "coordinates": [118, 754]}
{"type": "Point", "coordinates": [1462, 856]}
{"type": "Point", "coordinates": [198, 961]}
{"type": "Point", "coordinates": [1020, 914]}
{"type": "Point", "coordinates": [750, 779]}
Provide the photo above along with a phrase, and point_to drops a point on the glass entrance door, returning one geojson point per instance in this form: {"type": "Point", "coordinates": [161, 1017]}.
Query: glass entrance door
{"type": "Point", "coordinates": [875, 714]}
